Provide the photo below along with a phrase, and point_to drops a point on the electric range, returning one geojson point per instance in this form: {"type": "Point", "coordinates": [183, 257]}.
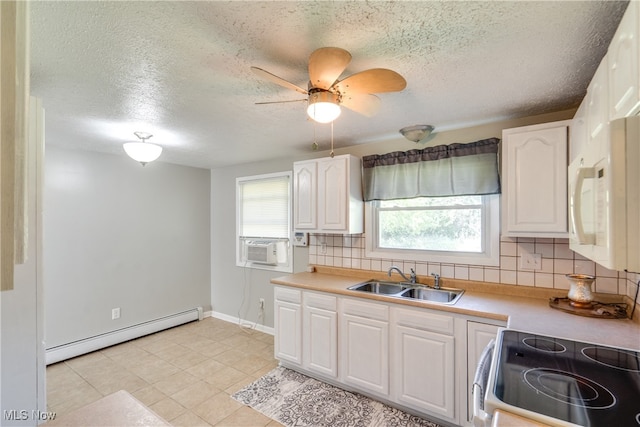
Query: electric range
{"type": "Point", "coordinates": [561, 382]}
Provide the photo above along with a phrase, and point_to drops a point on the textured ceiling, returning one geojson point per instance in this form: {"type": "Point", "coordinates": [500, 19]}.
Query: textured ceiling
{"type": "Point", "coordinates": [181, 70]}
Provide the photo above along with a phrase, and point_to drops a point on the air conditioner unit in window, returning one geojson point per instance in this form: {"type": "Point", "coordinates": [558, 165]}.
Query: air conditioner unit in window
{"type": "Point", "coordinates": [262, 252]}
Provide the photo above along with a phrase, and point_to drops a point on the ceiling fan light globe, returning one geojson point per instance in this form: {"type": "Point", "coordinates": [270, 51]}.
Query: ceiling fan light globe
{"type": "Point", "coordinates": [143, 152]}
{"type": "Point", "coordinates": [323, 112]}
{"type": "Point", "coordinates": [323, 107]}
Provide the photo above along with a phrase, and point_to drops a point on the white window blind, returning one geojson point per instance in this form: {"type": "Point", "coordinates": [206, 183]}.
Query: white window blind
{"type": "Point", "coordinates": [264, 207]}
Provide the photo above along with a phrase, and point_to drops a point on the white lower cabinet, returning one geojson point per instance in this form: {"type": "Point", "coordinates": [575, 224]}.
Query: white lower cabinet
{"type": "Point", "coordinates": [364, 344]}
{"type": "Point", "coordinates": [288, 325]}
{"type": "Point", "coordinates": [478, 337]}
{"type": "Point", "coordinates": [423, 361]}
{"type": "Point", "coordinates": [320, 337]}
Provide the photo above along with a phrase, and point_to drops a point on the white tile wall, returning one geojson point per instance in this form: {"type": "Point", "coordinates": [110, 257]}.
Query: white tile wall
{"type": "Point", "coordinates": [557, 260]}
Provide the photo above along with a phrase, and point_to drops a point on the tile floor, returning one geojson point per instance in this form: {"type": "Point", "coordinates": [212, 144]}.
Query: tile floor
{"type": "Point", "coordinates": [186, 374]}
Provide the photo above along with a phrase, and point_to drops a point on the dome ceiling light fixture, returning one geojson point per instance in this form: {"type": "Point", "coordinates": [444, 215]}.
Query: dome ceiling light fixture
{"type": "Point", "coordinates": [323, 106]}
{"type": "Point", "coordinates": [416, 133]}
{"type": "Point", "coordinates": [143, 152]}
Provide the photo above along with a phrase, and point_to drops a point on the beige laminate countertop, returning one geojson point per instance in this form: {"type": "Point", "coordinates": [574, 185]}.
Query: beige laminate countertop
{"type": "Point", "coordinates": [521, 308]}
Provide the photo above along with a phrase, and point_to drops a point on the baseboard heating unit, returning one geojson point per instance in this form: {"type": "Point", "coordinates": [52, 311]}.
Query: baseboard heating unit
{"type": "Point", "coordinates": [87, 345]}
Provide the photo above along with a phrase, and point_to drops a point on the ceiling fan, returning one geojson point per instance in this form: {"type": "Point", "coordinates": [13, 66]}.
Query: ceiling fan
{"type": "Point", "coordinates": [326, 93]}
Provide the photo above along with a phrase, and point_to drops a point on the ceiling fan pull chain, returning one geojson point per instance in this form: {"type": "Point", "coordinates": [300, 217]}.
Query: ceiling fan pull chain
{"type": "Point", "coordinates": [331, 153]}
{"type": "Point", "coordinates": [314, 146]}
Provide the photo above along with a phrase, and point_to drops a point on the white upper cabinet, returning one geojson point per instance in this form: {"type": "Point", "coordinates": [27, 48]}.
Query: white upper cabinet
{"type": "Point", "coordinates": [534, 180]}
{"type": "Point", "coordinates": [614, 90]}
{"type": "Point", "coordinates": [305, 195]}
{"type": "Point", "coordinates": [328, 195]}
{"type": "Point", "coordinates": [598, 106]}
{"type": "Point", "coordinates": [578, 132]}
{"type": "Point", "coordinates": [622, 58]}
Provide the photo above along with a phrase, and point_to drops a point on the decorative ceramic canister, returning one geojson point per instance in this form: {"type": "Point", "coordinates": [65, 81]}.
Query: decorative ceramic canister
{"type": "Point", "coordinates": [580, 290]}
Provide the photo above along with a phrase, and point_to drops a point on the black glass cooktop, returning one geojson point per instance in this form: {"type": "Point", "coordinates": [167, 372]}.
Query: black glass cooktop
{"type": "Point", "coordinates": [580, 383]}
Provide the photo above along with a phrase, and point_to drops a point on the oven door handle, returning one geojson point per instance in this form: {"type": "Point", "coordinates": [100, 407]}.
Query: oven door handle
{"type": "Point", "coordinates": [480, 380]}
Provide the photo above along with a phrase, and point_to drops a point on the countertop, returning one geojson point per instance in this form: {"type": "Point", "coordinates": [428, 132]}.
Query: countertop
{"type": "Point", "coordinates": [522, 308]}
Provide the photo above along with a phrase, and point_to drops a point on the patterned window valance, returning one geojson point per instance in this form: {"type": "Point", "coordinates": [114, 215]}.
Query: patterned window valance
{"type": "Point", "coordinates": [445, 170]}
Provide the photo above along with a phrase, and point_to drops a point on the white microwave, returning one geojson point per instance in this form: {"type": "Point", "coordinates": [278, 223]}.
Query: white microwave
{"type": "Point", "coordinates": [604, 198]}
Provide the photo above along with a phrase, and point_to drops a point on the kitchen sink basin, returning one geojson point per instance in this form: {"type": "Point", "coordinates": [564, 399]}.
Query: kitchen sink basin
{"type": "Point", "coordinates": [377, 287]}
{"type": "Point", "coordinates": [409, 291]}
{"type": "Point", "coordinates": [446, 296]}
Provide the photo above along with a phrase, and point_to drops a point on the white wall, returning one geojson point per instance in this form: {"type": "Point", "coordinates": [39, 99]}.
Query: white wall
{"type": "Point", "coordinates": [117, 234]}
{"type": "Point", "coordinates": [235, 291]}
{"type": "Point", "coordinates": [22, 373]}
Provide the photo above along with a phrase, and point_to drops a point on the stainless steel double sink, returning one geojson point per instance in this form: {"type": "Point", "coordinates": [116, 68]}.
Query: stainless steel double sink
{"type": "Point", "coordinates": [409, 291]}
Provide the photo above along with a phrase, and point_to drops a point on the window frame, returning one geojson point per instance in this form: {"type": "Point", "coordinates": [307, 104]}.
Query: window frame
{"type": "Point", "coordinates": [286, 267]}
{"type": "Point", "coordinates": [490, 256]}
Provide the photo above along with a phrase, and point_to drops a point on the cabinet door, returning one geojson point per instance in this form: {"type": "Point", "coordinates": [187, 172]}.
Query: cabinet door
{"type": "Point", "coordinates": [478, 336]}
{"type": "Point", "coordinates": [288, 325]}
{"type": "Point", "coordinates": [578, 132]}
{"type": "Point", "coordinates": [598, 106]}
{"type": "Point", "coordinates": [305, 195]}
{"type": "Point", "coordinates": [333, 194]}
{"type": "Point", "coordinates": [534, 169]}
{"type": "Point", "coordinates": [424, 371]}
{"type": "Point", "coordinates": [622, 56]}
{"type": "Point", "coordinates": [320, 337]}
{"type": "Point", "coordinates": [364, 356]}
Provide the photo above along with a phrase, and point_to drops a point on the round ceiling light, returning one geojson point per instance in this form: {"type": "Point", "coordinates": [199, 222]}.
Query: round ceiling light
{"type": "Point", "coordinates": [416, 133]}
{"type": "Point", "coordinates": [143, 152]}
{"type": "Point", "coordinates": [323, 106]}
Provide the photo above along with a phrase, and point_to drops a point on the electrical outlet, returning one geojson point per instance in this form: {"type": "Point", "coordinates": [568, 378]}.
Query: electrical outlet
{"type": "Point", "coordinates": [115, 313]}
{"type": "Point", "coordinates": [261, 304]}
{"type": "Point", "coordinates": [530, 261]}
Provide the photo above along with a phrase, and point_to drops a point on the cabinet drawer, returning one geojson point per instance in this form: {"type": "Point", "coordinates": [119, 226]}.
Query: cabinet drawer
{"type": "Point", "coordinates": [325, 302]}
{"type": "Point", "coordinates": [289, 295]}
{"type": "Point", "coordinates": [425, 320]}
{"type": "Point", "coordinates": [366, 309]}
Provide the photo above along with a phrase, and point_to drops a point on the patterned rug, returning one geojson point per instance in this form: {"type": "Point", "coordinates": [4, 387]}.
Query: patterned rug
{"type": "Point", "coordinates": [294, 399]}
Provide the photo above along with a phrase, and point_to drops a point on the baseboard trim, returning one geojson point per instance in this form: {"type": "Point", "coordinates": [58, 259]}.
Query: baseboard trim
{"type": "Point", "coordinates": [241, 322]}
{"type": "Point", "coordinates": [87, 345]}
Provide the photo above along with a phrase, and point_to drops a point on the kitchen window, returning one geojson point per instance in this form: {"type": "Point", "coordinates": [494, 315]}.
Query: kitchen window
{"type": "Point", "coordinates": [454, 229]}
{"type": "Point", "coordinates": [437, 204]}
{"type": "Point", "coordinates": [263, 228]}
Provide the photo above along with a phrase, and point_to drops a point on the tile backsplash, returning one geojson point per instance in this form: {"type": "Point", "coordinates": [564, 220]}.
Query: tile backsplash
{"type": "Point", "coordinates": [557, 260]}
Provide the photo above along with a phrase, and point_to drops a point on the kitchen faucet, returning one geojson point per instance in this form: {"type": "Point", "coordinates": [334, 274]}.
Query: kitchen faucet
{"type": "Point", "coordinates": [411, 279]}
{"type": "Point", "coordinates": [436, 280]}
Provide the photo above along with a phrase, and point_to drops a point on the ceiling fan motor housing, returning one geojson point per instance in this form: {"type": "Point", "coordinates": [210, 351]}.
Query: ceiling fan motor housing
{"type": "Point", "coordinates": [321, 95]}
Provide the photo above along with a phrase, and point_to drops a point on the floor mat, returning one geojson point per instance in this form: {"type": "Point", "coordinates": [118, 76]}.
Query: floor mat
{"type": "Point", "coordinates": [296, 400]}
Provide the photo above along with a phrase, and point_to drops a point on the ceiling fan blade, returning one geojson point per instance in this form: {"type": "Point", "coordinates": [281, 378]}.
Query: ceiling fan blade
{"type": "Point", "coordinates": [363, 103]}
{"type": "Point", "coordinates": [280, 102]}
{"type": "Point", "coordinates": [325, 66]}
{"type": "Point", "coordinates": [375, 80]}
{"type": "Point", "coordinates": [277, 80]}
